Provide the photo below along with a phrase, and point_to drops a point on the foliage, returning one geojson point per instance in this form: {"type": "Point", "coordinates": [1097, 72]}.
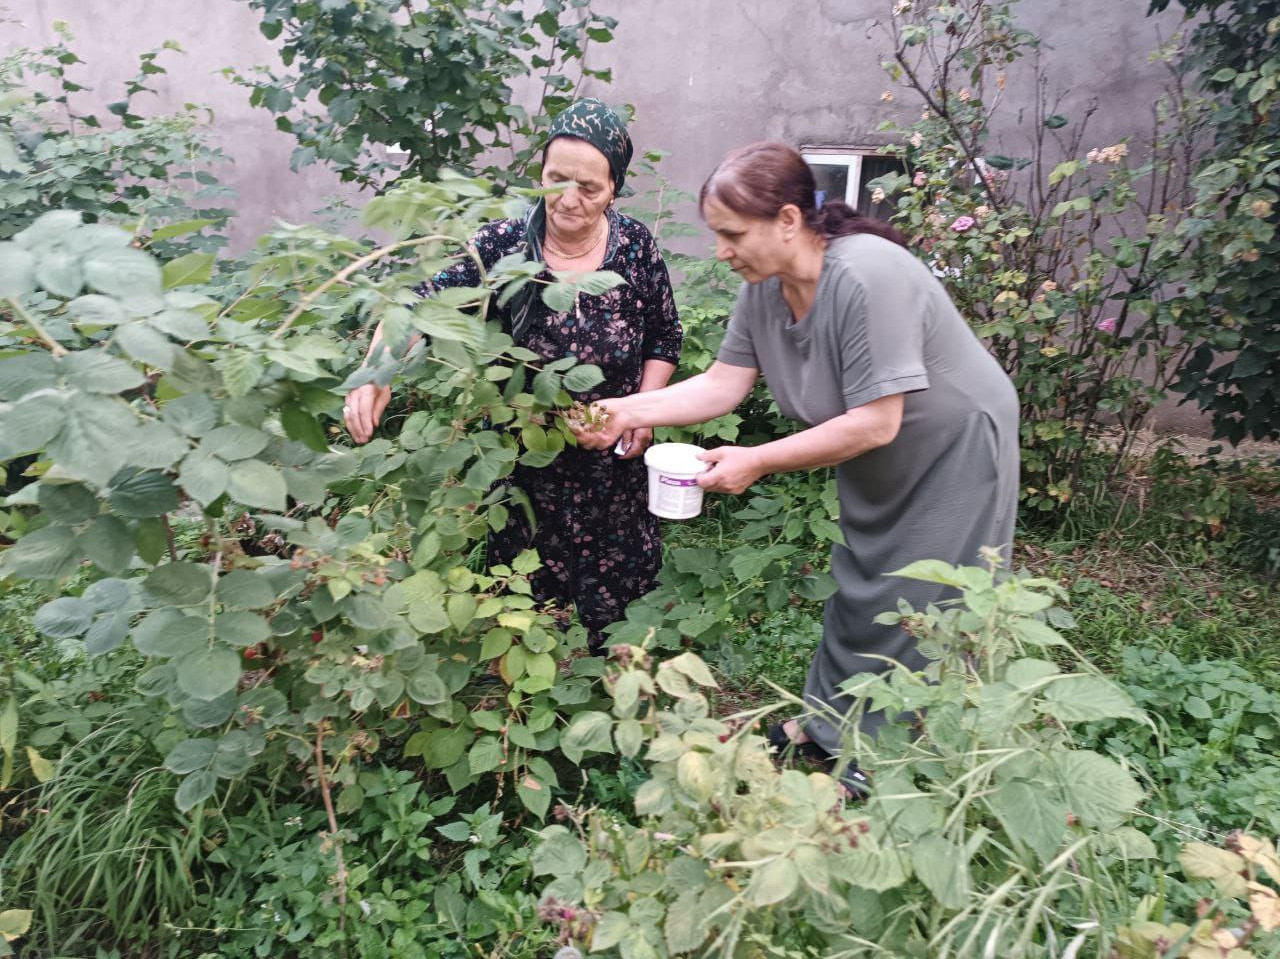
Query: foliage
{"type": "Point", "coordinates": [986, 827]}
{"type": "Point", "coordinates": [1212, 765]}
{"type": "Point", "coordinates": [433, 80]}
{"type": "Point", "coordinates": [140, 395]}
{"type": "Point", "coordinates": [150, 170]}
{"type": "Point", "coordinates": [1061, 258]}
{"type": "Point", "coordinates": [1234, 56]}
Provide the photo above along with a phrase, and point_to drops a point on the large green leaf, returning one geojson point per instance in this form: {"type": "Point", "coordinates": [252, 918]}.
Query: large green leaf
{"type": "Point", "coordinates": [68, 503]}
{"type": "Point", "coordinates": [48, 553]}
{"type": "Point", "coordinates": [108, 544]}
{"type": "Point", "coordinates": [194, 414]}
{"type": "Point", "coordinates": [179, 584]}
{"type": "Point", "coordinates": [188, 270]}
{"type": "Point", "coordinates": [242, 589]}
{"type": "Point", "coordinates": [203, 476]}
{"type": "Point", "coordinates": [258, 484]}
{"type": "Point", "coordinates": [145, 345]}
{"type": "Point", "coordinates": [583, 377]}
{"type": "Point", "coordinates": [65, 617]}
{"type": "Point", "coordinates": [169, 633]}
{"type": "Point", "coordinates": [1078, 699]}
{"type": "Point", "coordinates": [96, 437]}
{"type": "Point", "coordinates": [123, 272]}
{"type": "Point", "coordinates": [107, 633]}
{"type": "Point", "coordinates": [94, 309]}
{"type": "Point", "coordinates": [195, 789]}
{"type": "Point", "coordinates": [28, 425]}
{"type": "Point", "coordinates": [20, 375]}
{"type": "Point", "coordinates": [241, 628]}
{"type": "Point", "coordinates": [774, 882]}
{"type": "Point", "coordinates": [149, 493]}
{"type": "Point", "coordinates": [183, 325]}
{"type": "Point", "coordinates": [1097, 789]}
{"type": "Point", "coordinates": [560, 853]}
{"type": "Point", "coordinates": [235, 442]}
{"type": "Point", "coordinates": [588, 731]}
{"type": "Point", "coordinates": [208, 673]}
{"type": "Point", "coordinates": [1032, 813]}
{"type": "Point", "coordinates": [17, 271]}
{"type": "Point", "coordinates": [59, 272]}
{"type": "Point", "coordinates": [943, 867]}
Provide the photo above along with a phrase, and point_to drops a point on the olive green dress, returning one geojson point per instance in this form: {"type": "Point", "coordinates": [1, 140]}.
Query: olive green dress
{"type": "Point", "coordinates": [882, 324]}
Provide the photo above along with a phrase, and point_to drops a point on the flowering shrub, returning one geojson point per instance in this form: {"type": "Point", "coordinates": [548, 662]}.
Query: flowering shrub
{"type": "Point", "coordinates": [1061, 257]}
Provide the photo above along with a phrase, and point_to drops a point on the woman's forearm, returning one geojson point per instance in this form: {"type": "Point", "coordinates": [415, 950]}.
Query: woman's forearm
{"type": "Point", "coordinates": [835, 441]}
{"type": "Point", "coordinates": [655, 375]}
{"type": "Point", "coordinates": [695, 400]}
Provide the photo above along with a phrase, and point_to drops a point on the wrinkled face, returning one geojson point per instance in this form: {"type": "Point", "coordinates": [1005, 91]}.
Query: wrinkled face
{"type": "Point", "coordinates": [577, 209]}
{"type": "Point", "coordinates": [753, 247]}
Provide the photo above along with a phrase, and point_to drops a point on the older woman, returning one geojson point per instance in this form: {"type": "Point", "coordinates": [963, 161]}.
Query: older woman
{"type": "Point", "coordinates": [599, 546]}
{"type": "Point", "coordinates": [860, 343]}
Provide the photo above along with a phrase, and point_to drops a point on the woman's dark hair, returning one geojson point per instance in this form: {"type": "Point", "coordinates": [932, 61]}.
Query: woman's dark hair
{"type": "Point", "coordinates": [759, 179]}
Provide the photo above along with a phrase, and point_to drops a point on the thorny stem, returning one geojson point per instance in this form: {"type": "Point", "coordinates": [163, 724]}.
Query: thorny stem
{"type": "Point", "coordinates": [347, 271]}
{"type": "Point", "coordinates": [327, 796]}
{"type": "Point", "coordinates": [56, 348]}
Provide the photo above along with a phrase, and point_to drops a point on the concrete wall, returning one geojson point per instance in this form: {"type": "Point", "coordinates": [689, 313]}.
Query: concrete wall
{"type": "Point", "coordinates": [215, 34]}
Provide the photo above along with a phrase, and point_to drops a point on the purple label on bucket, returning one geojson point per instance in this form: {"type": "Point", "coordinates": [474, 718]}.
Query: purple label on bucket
{"type": "Point", "coordinates": [671, 481]}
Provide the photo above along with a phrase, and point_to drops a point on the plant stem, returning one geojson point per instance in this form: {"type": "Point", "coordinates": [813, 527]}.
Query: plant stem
{"type": "Point", "coordinates": [56, 348]}
{"type": "Point", "coordinates": [325, 793]}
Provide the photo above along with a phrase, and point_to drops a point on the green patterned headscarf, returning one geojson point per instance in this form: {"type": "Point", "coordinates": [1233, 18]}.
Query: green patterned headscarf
{"type": "Point", "coordinates": [591, 120]}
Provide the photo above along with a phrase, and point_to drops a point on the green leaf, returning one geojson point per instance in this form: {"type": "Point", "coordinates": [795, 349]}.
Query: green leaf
{"type": "Point", "coordinates": [17, 271]}
{"type": "Point", "coordinates": [189, 270]}
{"type": "Point", "coordinates": [59, 272]}
{"type": "Point", "coordinates": [208, 673]}
{"type": "Point", "coordinates": [559, 854]}
{"type": "Point", "coordinates": [195, 789]}
{"type": "Point", "coordinates": [15, 923]}
{"type": "Point", "coordinates": [124, 273]}
{"type": "Point", "coordinates": [242, 589]}
{"type": "Point", "coordinates": [9, 725]}
{"type": "Point", "coordinates": [687, 922]}
{"type": "Point", "coordinates": [20, 375]}
{"type": "Point", "coordinates": [48, 553]}
{"type": "Point", "coordinates": [1078, 699]}
{"type": "Point", "coordinates": [944, 869]}
{"type": "Point", "coordinates": [28, 425]}
{"type": "Point", "coordinates": [108, 544]}
{"type": "Point", "coordinates": [235, 442]}
{"type": "Point", "coordinates": [612, 929]}
{"type": "Point", "coordinates": [588, 731]}
{"type": "Point", "coordinates": [774, 882]}
{"type": "Point", "coordinates": [96, 438]}
{"type": "Point", "coordinates": [43, 771]}
{"type": "Point", "coordinates": [179, 584]}
{"type": "Point", "coordinates": [535, 795]}
{"type": "Point", "coordinates": [1097, 789]}
{"type": "Point", "coordinates": [183, 325]}
{"type": "Point", "coordinates": [180, 229]}
{"type": "Point", "coordinates": [241, 628]}
{"type": "Point", "coordinates": [241, 370]}
{"type": "Point", "coordinates": [193, 414]}
{"type": "Point", "coordinates": [630, 737]}
{"type": "Point", "coordinates": [171, 634]}
{"type": "Point", "coordinates": [68, 503]}
{"type": "Point", "coordinates": [204, 477]}
{"type": "Point", "coordinates": [1031, 813]}
{"type": "Point", "coordinates": [301, 426]}
{"type": "Point", "coordinates": [190, 755]}
{"type": "Point", "coordinates": [485, 755]}
{"type": "Point", "coordinates": [150, 493]}
{"type": "Point", "coordinates": [258, 484]}
{"type": "Point", "coordinates": [64, 618]}
{"type": "Point", "coordinates": [145, 345]}
{"type": "Point", "coordinates": [582, 378]}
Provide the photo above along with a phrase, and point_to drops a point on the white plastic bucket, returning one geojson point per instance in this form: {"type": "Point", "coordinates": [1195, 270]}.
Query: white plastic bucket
{"type": "Point", "coordinates": [674, 492]}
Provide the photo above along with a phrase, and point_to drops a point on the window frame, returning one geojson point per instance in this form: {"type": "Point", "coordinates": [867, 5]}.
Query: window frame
{"type": "Point", "coordinates": [850, 157]}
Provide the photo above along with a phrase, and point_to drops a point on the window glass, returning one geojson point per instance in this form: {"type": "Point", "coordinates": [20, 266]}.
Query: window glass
{"type": "Point", "coordinates": [833, 179]}
{"type": "Point", "coordinates": [872, 167]}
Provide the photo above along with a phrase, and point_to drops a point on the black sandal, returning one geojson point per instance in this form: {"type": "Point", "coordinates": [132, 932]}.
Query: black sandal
{"type": "Point", "coordinates": [777, 736]}
{"type": "Point", "coordinates": [854, 781]}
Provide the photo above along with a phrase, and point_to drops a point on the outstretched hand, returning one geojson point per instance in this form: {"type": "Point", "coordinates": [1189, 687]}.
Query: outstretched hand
{"type": "Point", "coordinates": [733, 469]}
{"type": "Point", "coordinates": [603, 432]}
{"type": "Point", "coordinates": [363, 410]}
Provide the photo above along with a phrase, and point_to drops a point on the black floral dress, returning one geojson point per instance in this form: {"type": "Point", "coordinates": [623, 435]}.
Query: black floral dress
{"type": "Point", "coordinates": [599, 544]}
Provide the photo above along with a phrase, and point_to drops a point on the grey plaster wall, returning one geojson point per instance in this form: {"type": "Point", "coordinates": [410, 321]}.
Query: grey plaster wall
{"type": "Point", "coordinates": [704, 76]}
{"type": "Point", "coordinates": [215, 34]}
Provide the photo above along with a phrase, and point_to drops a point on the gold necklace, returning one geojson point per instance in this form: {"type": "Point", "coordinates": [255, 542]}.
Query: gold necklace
{"type": "Point", "coordinates": [546, 245]}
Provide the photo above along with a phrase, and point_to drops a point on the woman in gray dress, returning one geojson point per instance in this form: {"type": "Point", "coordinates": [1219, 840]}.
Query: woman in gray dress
{"type": "Point", "coordinates": [859, 342]}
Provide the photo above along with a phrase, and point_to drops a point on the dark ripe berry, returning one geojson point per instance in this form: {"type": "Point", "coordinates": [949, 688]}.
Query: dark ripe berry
{"type": "Point", "coordinates": [723, 737]}
{"type": "Point", "coordinates": [317, 635]}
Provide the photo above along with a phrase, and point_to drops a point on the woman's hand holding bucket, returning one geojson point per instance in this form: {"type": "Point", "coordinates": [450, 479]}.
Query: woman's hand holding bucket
{"type": "Point", "coordinates": [732, 469]}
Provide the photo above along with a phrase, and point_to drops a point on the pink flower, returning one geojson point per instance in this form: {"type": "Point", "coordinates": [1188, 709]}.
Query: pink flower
{"type": "Point", "coordinates": [919, 179]}
{"type": "Point", "coordinates": [962, 223]}
{"type": "Point", "coordinates": [1106, 326]}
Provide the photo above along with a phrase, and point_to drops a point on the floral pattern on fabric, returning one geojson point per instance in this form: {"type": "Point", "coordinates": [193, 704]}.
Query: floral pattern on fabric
{"type": "Point", "coordinates": [599, 544]}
